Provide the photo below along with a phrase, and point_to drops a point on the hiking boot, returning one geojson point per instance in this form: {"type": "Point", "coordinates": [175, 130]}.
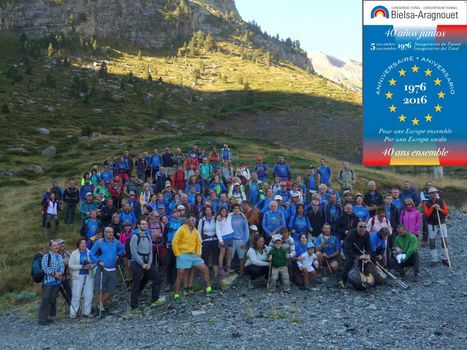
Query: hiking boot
{"type": "Point", "coordinates": [177, 299]}
{"type": "Point", "coordinates": [342, 284]}
{"type": "Point", "coordinates": [136, 311]}
{"type": "Point", "coordinates": [417, 277]}
{"type": "Point", "coordinates": [445, 262]}
{"type": "Point", "coordinates": [88, 316]}
{"type": "Point", "coordinates": [221, 271]}
{"type": "Point", "coordinates": [228, 270]}
{"type": "Point", "coordinates": [208, 290]}
{"type": "Point", "coordinates": [45, 323]}
{"type": "Point", "coordinates": [434, 262]}
{"type": "Point", "coordinates": [188, 291]}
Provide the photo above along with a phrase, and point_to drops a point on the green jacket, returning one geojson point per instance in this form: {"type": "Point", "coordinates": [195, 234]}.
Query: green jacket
{"type": "Point", "coordinates": [408, 243]}
{"type": "Point", "coordinates": [278, 257]}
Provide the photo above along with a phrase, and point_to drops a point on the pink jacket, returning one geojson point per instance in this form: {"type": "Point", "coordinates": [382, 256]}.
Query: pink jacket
{"type": "Point", "coordinates": [411, 219]}
{"type": "Point", "coordinates": [374, 225]}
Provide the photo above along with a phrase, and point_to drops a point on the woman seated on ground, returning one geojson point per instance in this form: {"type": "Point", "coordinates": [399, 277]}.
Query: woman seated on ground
{"type": "Point", "coordinates": [257, 263]}
{"type": "Point", "coordinates": [300, 249]}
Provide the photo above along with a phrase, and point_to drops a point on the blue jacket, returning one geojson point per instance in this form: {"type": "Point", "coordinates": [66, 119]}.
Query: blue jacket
{"type": "Point", "coordinates": [108, 252]}
{"type": "Point", "coordinates": [410, 193]}
{"type": "Point", "coordinates": [83, 190]}
{"type": "Point", "coordinates": [174, 225]}
{"type": "Point", "coordinates": [281, 170]}
{"type": "Point", "coordinates": [299, 223]}
{"type": "Point", "coordinates": [155, 161]}
{"type": "Point", "coordinates": [261, 170]}
{"type": "Point", "coordinates": [107, 176]}
{"type": "Point", "coordinates": [273, 222]}
{"type": "Point", "coordinates": [240, 227]}
{"type": "Point", "coordinates": [377, 242]}
{"type": "Point", "coordinates": [325, 173]}
{"type": "Point", "coordinates": [130, 216]}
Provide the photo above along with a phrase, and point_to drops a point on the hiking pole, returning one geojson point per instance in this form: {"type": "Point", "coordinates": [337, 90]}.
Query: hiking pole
{"type": "Point", "coordinates": [101, 306]}
{"type": "Point", "coordinates": [444, 241]}
{"type": "Point", "coordinates": [399, 282]}
{"type": "Point", "coordinates": [269, 275]}
{"type": "Point", "coordinates": [68, 298]}
{"type": "Point", "coordinates": [331, 271]}
{"type": "Point", "coordinates": [123, 278]}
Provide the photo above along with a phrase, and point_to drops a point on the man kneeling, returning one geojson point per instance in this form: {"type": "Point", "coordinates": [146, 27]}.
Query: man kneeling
{"type": "Point", "coordinates": [308, 265]}
{"type": "Point", "coordinates": [405, 252]}
{"type": "Point", "coordinates": [328, 249]}
{"type": "Point", "coordinates": [186, 246]}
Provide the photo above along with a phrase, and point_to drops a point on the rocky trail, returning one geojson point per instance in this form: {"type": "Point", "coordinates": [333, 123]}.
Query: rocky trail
{"type": "Point", "coordinates": [431, 314]}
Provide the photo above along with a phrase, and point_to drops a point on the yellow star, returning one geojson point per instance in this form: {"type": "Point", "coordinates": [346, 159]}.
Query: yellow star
{"type": "Point", "coordinates": [428, 72]}
{"type": "Point", "coordinates": [441, 94]}
{"type": "Point", "coordinates": [437, 81]}
{"type": "Point", "coordinates": [402, 73]}
{"type": "Point", "coordinates": [392, 108]}
{"type": "Point", "coordinates": [428, 118]}
{"type": "Point", "coordinates": [414, 69]}
{"type": "Point", "coordinates": [438, 108]}
{"type": "Point", "coordinates": [388, 94]}
{"type": "Point", "coordinates": [392, 82]}
{"type": "Point", "coordinates": [415, 121]}
{"type": "Point", "coordinates": [402, 118]}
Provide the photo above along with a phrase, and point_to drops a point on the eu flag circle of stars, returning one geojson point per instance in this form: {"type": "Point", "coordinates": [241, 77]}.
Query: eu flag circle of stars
{"type": "Point", "coordinates": [431, 80]}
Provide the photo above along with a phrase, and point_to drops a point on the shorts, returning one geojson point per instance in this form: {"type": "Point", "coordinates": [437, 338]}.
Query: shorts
{"type": "Point", "coordinates": [237, 249]}
{"type": "Point", "coordinates": [109, 281]}
{"type": "Point", "coordinates": [228, 243]}
{"type": "Point", "coordinates": [187, 261]}
{"type": "Point", "coordinates": [435, 230]}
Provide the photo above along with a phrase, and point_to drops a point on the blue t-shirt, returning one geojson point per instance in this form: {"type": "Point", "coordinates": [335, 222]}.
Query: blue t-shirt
{"type": "Point", "coordinates": [83, 260]}
{"type": "Point", "coordinates": [361, 212]}
{"type": "Point", "coordinates": [92, 226]}
{"type": "Point", "coordinates": [331, 245]}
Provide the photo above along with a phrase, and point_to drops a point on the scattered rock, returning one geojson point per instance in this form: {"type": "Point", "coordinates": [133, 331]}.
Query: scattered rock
{"type": "Point", "coordinates": [72, 152]}
{"type": "Point", "coordinates": [198, 312]}
{"type": "Point", "coordinates": [95, 136]}
{"type": "Point", "coordinates": [372, 307]}
{"type": "Point", "coordinates": [98, 110]}
{"type": "Point", "coordinates": [114, 140]}
{"type": "Point", "coordinates": [48, 109]}
{"type": "Point", "coordinates": [36, 169]}
{"type": "Point", "coordinates": [21, 150]}
{"type": "Point", "coordinates": [226, 282]}
{"type": "Point", "coordinates": [10, 172]}
{"type": "Point", "coordinates": [49, 151]}
{"type": "Point", "coordinates": [43, 131]}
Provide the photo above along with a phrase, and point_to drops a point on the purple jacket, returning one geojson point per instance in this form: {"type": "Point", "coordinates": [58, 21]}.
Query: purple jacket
{"type": "Point", "coordinates": [411, 219]}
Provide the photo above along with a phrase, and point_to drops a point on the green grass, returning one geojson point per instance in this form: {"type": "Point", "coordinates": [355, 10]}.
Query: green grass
{"type": "Point", "coordinates": [282, 93]}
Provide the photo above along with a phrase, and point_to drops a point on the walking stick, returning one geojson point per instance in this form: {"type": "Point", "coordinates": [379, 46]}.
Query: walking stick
{"type": "Point", "coordinates": [123, 278]}
{"type": "Point", "coordinates": [331, 271]}
{"type": "Point", "coordinates": [100, 295]}
{"type": "Point", "coordinates": [444, 241]}
{"type": "Point", "coordinates": [67, 297]}
{"type": "Point", "coordinates": [269, 275]}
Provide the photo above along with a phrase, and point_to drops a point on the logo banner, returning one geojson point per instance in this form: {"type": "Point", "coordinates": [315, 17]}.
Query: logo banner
{"type": "Point", "coordinates": [414, 83]}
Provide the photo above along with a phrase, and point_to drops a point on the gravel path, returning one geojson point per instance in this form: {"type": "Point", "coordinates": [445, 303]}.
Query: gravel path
{"type": "Point", "coordinates": [431, 314]}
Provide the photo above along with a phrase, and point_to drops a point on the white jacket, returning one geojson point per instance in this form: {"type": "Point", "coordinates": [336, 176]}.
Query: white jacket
{"type": "Point", "coordinates": [74, 264]}
{"type": "Point", "coordinates": [310, 262]}
{"type": "Point", "coordinates": [224, 228]}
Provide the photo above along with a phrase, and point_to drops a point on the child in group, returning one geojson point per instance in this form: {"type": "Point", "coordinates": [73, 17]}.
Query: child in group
{"type": "Point", "coordinates": [308, 265]}
{"type": "Point", "coordinates": [279, 260]}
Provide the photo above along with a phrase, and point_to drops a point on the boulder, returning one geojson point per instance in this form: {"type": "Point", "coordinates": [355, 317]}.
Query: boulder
{"type": "Point", "coordinates": [43, 131]}
{"type": "Point", "coordinates": [35, 169]}
{"type": "Point", "coordinates": [9, 172]}
{"type": "Point", "coordinates": [20, 150]}
{"type": "Point", "coordinates": [227, 282]}
{"type": "Point", "coordinates": [71, 152]}
{"type": "Point", "coordinates": [49, 151]}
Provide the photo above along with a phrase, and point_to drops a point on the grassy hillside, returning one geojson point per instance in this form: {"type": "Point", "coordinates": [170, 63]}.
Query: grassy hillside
{"type": "Point", "coordinates": [232, 94]}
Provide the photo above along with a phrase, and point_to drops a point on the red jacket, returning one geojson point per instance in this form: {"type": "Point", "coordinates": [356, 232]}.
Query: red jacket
{"type": "Point", "coordinates": [116, 188]}
{"type": "Point", "coordinates": [178, 180]}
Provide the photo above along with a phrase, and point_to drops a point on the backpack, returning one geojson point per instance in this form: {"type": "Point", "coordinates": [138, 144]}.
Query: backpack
{"type": "Point", "coordinates": [127, 245]}
{"type": "Point", "coordinates": [358, 279]}
{"type": "Point", "coordinates": [37, 274]}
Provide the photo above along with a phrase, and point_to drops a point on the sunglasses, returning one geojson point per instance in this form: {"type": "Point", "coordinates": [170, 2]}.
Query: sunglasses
{"type": "Point", "coordinates": [361, 226]}
{"type": "Point", "coordinates": [408, 204]}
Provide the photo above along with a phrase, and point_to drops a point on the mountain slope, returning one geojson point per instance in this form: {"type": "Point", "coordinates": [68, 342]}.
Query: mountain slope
{"type": "Point", "coordinates": [346, 72]}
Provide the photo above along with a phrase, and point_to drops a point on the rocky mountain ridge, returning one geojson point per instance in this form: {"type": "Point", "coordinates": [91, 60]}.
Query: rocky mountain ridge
{"type": "Point", "coordinates": [151, 24]}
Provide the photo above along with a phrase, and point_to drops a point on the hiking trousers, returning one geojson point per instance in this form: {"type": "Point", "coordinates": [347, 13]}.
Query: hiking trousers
{"type": "Point", "coordinates": [69, 213]}
{"type": "Point", "coordinates": [140, 278]}
{"type": "Point", "coordinates": [82, 286]}
{"type": "Point", "coordinates": [413, 260]}
{"type": "Point", "coordinates": [283, 271]}
{"type": "Point", "coordinates": [435, 232]}
{"type": "Point", "coordinates": [256, 271]}
{"type": "Point", "coordinates": [48, 307]}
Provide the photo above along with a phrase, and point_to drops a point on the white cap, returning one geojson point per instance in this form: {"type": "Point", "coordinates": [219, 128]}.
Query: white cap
{"type": "Point", "coordinates": [277, 197]}
{"type": "Point", "coordinates": [253, 228]}
{"type": "Point", "coordinates": [432, 189]}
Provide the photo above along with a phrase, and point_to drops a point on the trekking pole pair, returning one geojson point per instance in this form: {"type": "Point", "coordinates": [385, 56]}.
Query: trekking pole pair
{"type": "Point", "coordinates": [398, 281]}
{"type": "Point", "coordinates": [67, 297]}
{"type": "Point", "coordinates": [444, 241]}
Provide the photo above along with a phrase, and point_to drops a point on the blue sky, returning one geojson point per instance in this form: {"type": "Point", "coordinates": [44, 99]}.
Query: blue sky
{"type": "Point", "coordinates": [331, 26]}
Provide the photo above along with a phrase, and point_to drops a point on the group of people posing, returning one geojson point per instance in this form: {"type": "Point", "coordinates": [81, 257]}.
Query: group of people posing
{"type": "Point", "coordinates": [174, 213]}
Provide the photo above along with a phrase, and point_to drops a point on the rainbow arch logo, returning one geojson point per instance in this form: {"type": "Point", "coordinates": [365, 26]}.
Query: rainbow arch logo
{"type": "Point", "coordinates": [379, 12]}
